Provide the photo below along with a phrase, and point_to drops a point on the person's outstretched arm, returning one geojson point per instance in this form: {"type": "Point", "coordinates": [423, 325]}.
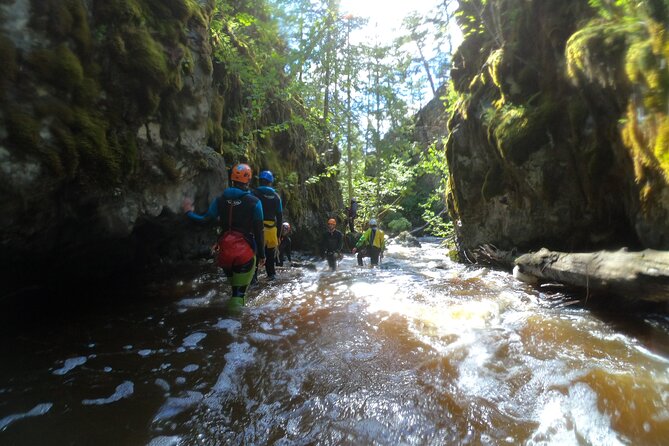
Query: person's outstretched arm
{"type": "Point", "coordinates": [211, 213]}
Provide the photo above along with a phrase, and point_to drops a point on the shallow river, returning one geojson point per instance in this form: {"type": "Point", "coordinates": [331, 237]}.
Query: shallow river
{"type": "Point", "coordinates": [420, 351]}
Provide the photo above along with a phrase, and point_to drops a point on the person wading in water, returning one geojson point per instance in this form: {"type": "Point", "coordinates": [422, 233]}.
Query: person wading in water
{"type": "Point", "coordinates": [285, 244]}
{"type": "Point", "coordinates": [273, 215]}
{"type": "Point", "coordinates": [242, 242]}
{"type": "Point", "coordinates": [331, 244]}
{"type": "Point", "coordinates": [371, 244]}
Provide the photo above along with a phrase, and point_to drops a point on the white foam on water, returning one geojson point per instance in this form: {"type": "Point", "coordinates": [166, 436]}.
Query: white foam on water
{"type": "Point", "coordinates": [573, 418]}
{"type": "Point", "coordinates": [70, 364]}
{"type": "Point", "coordinates": [145, 352]}
{"type": "Point", "coordinates": [199, 301]}
{"type": "Point", "coordinates": [230, 325]}
{"type": "Point", "coordinates": [239, 356]}
{"type": "Point", "coordinates": [191, 368]}
{"type": "Point", "coordinates": [260, 337]}
{"type": "Point", "coordinates": [123, 390]}
{"type": "Point", "coordinates": [192, 340]}
{"type": "Point", "coordinates": [175, 405]}
{"type": "Point", "coordinates": [38, 410]}
{"type": "Point", "coordinates": [162, 384]}
{"type": "Point", "coordinates": [165, 441]}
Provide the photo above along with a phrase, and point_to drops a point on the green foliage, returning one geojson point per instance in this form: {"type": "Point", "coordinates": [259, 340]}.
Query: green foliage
{"type": "Point", "coordinates": [433, 161]}
{"type": "Point", "coordinates": [628, 44]}
{"type": "Point", "coordinates": [329, 172]}
{"type": "Point", "coordinates": [399, 225]}
{"type": "Point", "coordinates": [436, 224]}
{"type": "Point", "coordinates": [450, 98]}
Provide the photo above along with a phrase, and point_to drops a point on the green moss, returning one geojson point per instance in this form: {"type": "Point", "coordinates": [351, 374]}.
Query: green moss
{"type": "Point", "coordinates": [168, 165]}
{"type": "Point", "coordinates": [9, 66]}
{"type": "Point", "coordinates": [87, 92]}
{"type": "Point", "coordinates": [521, 130]}
{"type": "Point", "coordinates": [181, 10]}
{"type": "Point", "coordinates": [128, 12]}
{"type": "Point", "coordinates": [63, 19]}
{"type": "Point", "coordinates": [51, 158]}
{"type": "Point", "coordinates": [645, 65]}
{"type": "Point", "coordinates": [595, 43]}
{"type": "Point", "coordinates": [146, 57]}
{"type": "Point", "coordinates": [187, 64]}
{"type": "Point", "coordinates": [495, 67]}
{"type": "Point", "coordinates": [101, 165]}
{"type": "Point", "coordinates": [214, 135]}
{"type": "Point", "coordinates": [493, 184]}
{"type": "Point", "coordinates": [661, 149]}
{"type": "Point", "coordinates": [67, 144]}
{"type": "Point", "coordinates": [59, 66]}
{"type": "Point", "coordinates": [81, 31]}
{"type": "Point", "coordinates": [23, 130]}
{"type": "Point", "coordinates": [51, 107]}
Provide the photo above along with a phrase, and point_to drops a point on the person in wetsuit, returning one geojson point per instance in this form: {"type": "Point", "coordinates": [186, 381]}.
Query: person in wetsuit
{"type": "Point", "coordinates": [273, 216]}
{"type": "Point", "coordinates": [352, 214]}
{"type": "Point", "coordinates": [285, 244]}
{"type": "Point", "coordinates": [371, 244]}
{"type": "Point", "coordinates": [240, 245]}
{"type": "Point", "coordinates": [331, 244]}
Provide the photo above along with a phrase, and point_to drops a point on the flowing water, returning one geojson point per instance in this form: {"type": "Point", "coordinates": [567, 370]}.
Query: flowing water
{"type": "Point", "coordinates": [420, 351]}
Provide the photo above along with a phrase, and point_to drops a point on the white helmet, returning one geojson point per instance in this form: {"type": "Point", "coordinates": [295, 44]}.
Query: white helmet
{"type": "Point", "coordinates": [285, 225]}
{"type": "Point", "coordinates": [372, 222]}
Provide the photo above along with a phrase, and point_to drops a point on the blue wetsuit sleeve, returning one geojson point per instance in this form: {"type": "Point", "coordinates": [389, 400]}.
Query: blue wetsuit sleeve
{"type": "Point", "coordinates": [258, 213]}
{"type": "Point", "coordinates": [209, 215]}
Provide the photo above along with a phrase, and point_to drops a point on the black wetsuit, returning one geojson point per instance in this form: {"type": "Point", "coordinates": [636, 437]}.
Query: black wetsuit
{"type": "Point", "coordinates": [331, 247]}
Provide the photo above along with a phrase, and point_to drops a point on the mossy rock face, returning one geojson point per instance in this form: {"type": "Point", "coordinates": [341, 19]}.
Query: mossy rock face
{"type": "Point", "coordinates": [538, 133]}
{"type": "Point", "coordinates": [63, 20]}
{"type": "Point", "coordinates": [95, 76]}
{"type": "Point", "coordinates": [520, 132]}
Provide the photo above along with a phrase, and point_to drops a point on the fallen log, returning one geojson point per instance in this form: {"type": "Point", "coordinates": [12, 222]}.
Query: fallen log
{"type": "Point", "coordinates": [640, 275]}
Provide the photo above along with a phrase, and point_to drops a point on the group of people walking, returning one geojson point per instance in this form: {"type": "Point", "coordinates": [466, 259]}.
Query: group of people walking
{"type": "Point", "coordinates": [250, 234]}
{"type": "Point", "coordinates": [249, 221]}
{"type": "Point", "coordinates": [370, 244]}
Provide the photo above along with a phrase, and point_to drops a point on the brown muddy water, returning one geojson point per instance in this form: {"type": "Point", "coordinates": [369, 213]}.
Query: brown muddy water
{"type": "Point", "coordinates": [420, 351]}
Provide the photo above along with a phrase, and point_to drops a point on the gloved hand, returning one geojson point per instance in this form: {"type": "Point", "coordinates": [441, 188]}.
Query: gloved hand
{"type": "Point", "coordinates": [187, 205]}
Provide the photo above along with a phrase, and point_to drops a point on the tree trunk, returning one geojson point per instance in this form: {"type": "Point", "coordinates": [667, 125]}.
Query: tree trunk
{"type": "Point", "coordinates": [642, 275]}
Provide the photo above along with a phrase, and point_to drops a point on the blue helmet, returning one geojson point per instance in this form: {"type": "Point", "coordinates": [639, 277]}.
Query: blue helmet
{"type": "Point", "coordinates": [266, 175]}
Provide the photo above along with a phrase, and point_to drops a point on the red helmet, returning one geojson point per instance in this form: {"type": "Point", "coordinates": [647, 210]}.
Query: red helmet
{"type": "Point", "coordinates": [332, 221]}
{"type": "Point", "coordinates": [241, 173]}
